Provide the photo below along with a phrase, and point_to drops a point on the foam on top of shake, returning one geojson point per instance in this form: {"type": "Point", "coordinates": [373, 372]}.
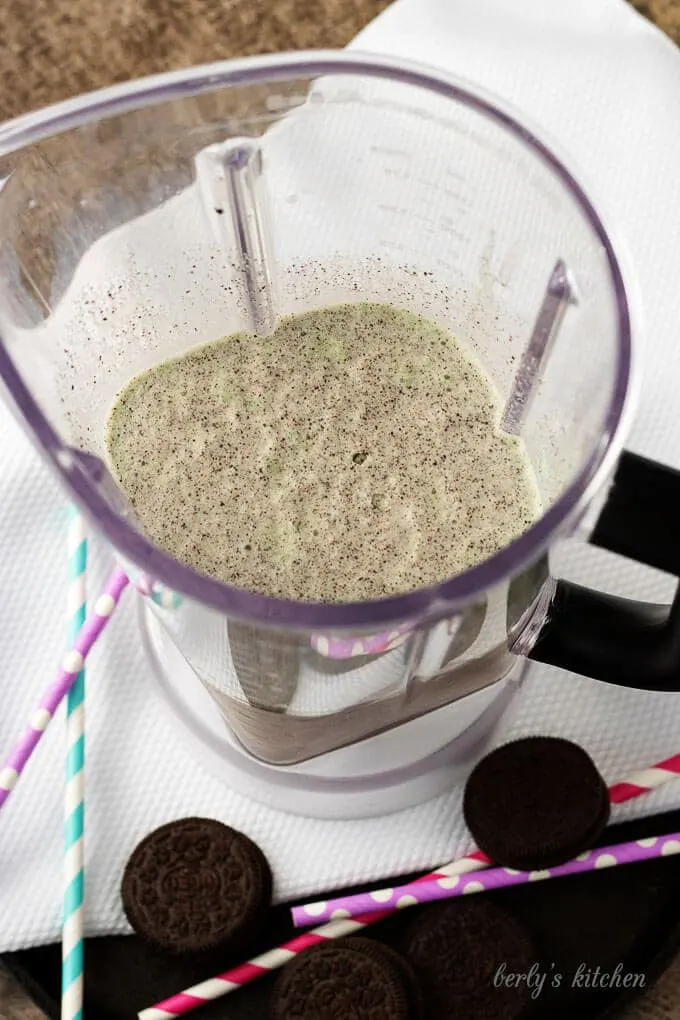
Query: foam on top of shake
{"type": "Point", "coordinates": [352, 454]}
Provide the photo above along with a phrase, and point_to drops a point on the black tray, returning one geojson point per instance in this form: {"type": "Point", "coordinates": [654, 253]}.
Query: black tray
{"type": "Point", "coordinates": [628, 916]}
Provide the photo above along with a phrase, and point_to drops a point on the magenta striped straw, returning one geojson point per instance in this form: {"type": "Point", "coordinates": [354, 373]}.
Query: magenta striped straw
{"type": "Point", "coordinates": [72, 663]}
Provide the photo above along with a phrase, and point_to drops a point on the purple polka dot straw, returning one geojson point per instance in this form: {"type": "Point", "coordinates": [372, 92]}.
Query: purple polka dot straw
{"type": "Point", "coordinates": [72, 663]}
{"type": "Point", "coordinates": [449, 886]}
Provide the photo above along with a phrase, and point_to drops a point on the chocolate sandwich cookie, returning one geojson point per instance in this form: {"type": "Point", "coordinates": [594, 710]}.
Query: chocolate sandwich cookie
{"type": "Point", "coordinates": [355, 977]}
{"type": "Point", "coordinates": [414, 992]}
{"type": "Point", "coordinates": [535, 803]}
{"type": "Point", "coordinates": [196, 885]}
{"type": "Point", "coordinates": [469, 958]}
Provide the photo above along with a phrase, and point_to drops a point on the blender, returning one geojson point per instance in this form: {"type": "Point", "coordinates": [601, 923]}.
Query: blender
{"type": "Point", "coordinates": [151, 217]}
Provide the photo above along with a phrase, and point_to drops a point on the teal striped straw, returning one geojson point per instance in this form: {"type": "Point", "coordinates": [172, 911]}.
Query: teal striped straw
{"type": "Point", "coordinates": [74, 806]}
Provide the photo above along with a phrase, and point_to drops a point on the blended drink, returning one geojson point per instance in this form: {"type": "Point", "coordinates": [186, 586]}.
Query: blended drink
{"type": "Point", "coordinates": [353, 453]}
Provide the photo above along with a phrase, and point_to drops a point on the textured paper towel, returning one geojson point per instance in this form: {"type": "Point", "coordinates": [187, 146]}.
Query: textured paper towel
{"type": "Point", "coordinates": [599, 79]}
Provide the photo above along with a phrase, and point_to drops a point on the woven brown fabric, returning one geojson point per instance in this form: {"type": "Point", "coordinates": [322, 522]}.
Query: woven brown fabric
{"type": "Point", "coordinates": [52, 49]}
{"type": "Point", "coordinates": [664, 13]}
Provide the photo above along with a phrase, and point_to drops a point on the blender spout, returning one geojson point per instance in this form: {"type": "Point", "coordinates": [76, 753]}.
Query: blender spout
{"type": "Point", "coordinates": [231, 182]}
{"type": "Point", "coordinates": [560, 293]}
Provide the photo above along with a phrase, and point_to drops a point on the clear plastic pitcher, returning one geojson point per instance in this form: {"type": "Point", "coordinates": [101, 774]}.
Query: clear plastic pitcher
{"type": "Point", "coordinates": [149, 218]}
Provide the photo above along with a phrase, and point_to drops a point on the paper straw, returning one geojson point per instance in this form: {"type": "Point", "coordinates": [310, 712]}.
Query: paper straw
{"type": "Point", "coordinates": [72, 663]}
{"type": "Point", "coordinates": [72, 947]}
{"type": "Point", "coordinates": [417, 893]}
{"type": "Point", "coordinates": [343, 906]}
{"type": "Point", "coordinates": [646, 780]}
{"type": "Point", "coordinates": [235, 978]}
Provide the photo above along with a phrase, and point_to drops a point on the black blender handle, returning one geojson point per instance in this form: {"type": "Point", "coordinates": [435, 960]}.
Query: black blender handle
{"type": "Point", "coordinates": [620, 641]}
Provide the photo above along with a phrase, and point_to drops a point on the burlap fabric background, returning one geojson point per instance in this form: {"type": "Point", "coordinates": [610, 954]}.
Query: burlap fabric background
{"type": "Point", "coordinates": [51, 49]}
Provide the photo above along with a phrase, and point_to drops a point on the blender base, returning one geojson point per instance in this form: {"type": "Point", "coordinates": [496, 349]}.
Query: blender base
{"type": "Point", "coordinates": [388, 772]}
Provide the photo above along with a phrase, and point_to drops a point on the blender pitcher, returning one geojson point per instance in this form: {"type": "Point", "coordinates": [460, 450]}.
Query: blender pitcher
{"type": "Point", "coordinates": [161, 214]}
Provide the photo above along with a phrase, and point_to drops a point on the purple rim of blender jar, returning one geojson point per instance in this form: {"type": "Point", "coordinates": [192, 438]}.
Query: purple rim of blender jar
{"type": "Point", "coordinates": [381, 614]}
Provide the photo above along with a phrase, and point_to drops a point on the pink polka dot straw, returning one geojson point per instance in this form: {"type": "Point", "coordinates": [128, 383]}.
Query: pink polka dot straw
{"type": "Point", "coordinates": [448, 887]}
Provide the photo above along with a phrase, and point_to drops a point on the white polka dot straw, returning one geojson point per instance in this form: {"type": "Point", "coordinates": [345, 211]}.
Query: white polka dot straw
{"type": "Point", "coordinates": [488, 879]}
{"type": "Point", "coordinates": [72, 663]}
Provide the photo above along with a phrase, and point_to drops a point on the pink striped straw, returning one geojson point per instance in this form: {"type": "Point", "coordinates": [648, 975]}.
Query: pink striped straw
{"type": "Point", "coordinates": [72, 663]}
{"type": "Point", "coordinates": [235, 978]}
{"type": "Point", "coordinates": [476, 860]}
{"type": "Point", "coordinates": [253, 969]}
{"type": "Point", "coordinates": [645, 780]}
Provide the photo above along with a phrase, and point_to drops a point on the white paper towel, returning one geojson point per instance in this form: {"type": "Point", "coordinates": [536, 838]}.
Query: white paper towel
{"type": "Point", "coordinates": [604, 84]}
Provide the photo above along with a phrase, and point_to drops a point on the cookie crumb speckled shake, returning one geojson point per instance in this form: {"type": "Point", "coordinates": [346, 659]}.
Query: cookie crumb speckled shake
{"type": "Point", "coordinates": [352, 454]}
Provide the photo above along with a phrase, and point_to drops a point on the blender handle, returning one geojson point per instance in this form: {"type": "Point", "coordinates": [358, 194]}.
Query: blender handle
{"type": "Point", "coordinates": [616, 640]}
